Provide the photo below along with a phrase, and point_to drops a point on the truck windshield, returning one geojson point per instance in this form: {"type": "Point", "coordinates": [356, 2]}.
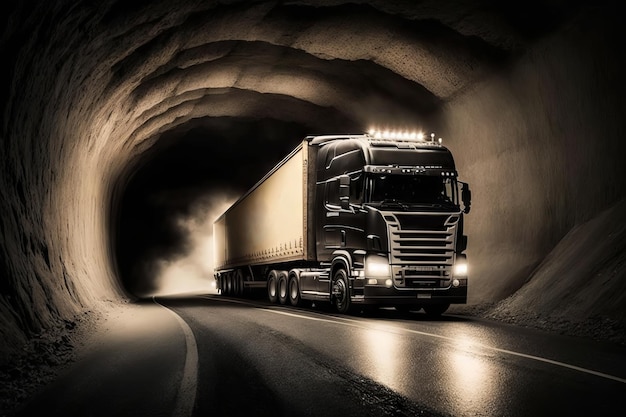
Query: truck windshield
{"type": "Point", "coordinates": [409, 189]}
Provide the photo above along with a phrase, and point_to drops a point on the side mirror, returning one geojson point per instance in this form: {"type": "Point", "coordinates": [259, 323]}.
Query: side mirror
{"type": "Point", "coordinates": [344, 191]}
{"type": "Point", "coordinates": [466, 196]}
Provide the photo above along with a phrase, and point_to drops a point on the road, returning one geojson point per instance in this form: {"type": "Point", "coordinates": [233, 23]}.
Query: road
{"type": "Point", "coordinates": [207, 355]}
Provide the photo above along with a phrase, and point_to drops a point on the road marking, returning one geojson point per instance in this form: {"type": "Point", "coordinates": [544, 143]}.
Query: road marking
{"type": "Point", "coordinates": [186, 398]}
{"type": "Point", "coordinates": [355, 323]}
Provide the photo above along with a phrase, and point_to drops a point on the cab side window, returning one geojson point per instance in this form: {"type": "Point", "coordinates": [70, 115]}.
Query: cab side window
{"type": "Point", "coordinates": [356, 189]}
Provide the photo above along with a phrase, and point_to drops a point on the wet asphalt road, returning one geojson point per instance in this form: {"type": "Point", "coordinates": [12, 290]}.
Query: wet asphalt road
{"type": "Point", "coordinates": [225, 357]}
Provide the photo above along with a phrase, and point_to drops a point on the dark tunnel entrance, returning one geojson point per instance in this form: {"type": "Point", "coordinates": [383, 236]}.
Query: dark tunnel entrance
{"type": "Point", "coordinates": [180, 185]}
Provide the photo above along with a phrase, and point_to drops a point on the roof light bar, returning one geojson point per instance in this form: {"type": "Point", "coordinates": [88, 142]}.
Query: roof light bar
{"type": "Point", "coordinates": [402, 135]}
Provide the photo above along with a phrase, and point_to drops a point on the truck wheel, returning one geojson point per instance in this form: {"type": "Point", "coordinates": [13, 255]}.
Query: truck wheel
{"type": "Point", "coordinates": [229, 284]}
{"type": "Point", "coordinates": [234, 286]}
{"type": "Point", "coordinates": [272, 286]}
{"type": "Point", "coordinates": [294, 291]}
{"type": "Point", "coordinates": [340, 294]}
{"type": "Point", "coordinates": [238, 281]}
{"type": "Point", "coordinates": [283, 291]}
{"type": "Point", "coordinates": [436, 310]}
{"type": "Point", "coordinates": [222, 287]}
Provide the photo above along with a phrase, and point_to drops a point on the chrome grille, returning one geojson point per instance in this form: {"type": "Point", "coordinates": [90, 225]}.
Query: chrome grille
{"type": "Point", "coordinates": [422, 248]}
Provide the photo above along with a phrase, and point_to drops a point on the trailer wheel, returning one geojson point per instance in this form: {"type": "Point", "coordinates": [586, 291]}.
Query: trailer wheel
{"type": "Point", "coordinates": [229, 284]}
{"type": "Point", "coordinates": [233, 284]}
{"type": "Point", "coordinates": [340, 294]}
{"type": "Point", "coordinates": [436, 310]}
{"type": "Point", "coordinates": [272, 286]}
{"type": "Point", "coordinates": [221, 284]}
{"type": "Point", "coordinates": [234, 287]}
{"type": "Point", "coordinates": [283, 291]}
{"type": "Point", "coordinates": [242, 289]}
{"type": "Point", "coordinates": [294, 291]}
{"type": "Point", "coordinates": [238, 283]}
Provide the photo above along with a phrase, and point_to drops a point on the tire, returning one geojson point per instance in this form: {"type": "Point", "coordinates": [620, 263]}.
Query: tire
{"type": "Point", "coordinates": [229, 284]}
{"type": "Point", "coordinates": [293, 290]}
{"type": "Point", "coordinates": [436, 310]}
{"type": "Point", "coordinates": [283, 290]}
{"type": "Point", "coordinates": [340, 291]}
{"type": "Point", "coordinates": [238, 278]}
{"type": "Point", "coordinates": [222, 284]}
{"type": "Point", "coordinates": [272, 286]}
{"type": "Point", "coordinates": [234, 291]}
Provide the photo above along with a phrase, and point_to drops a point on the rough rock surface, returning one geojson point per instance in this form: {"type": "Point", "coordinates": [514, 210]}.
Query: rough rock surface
{"type": "Point", "coordinates": [43, 357]}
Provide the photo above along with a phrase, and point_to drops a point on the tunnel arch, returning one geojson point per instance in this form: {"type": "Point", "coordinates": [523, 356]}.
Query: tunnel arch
{"type": "Point", "coordinates": [92, 88]}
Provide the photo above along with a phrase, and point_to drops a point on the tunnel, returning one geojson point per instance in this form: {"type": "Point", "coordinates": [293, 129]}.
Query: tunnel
{"type": "Point", "coordinates": [121, 118]}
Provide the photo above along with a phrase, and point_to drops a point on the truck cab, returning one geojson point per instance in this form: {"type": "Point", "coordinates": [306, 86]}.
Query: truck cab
{"type": "Point", "coordinates": [389, 223]}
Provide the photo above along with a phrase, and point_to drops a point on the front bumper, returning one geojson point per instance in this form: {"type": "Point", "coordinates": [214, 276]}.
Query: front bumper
{"type": "Point", "coordinates": [379, 295]}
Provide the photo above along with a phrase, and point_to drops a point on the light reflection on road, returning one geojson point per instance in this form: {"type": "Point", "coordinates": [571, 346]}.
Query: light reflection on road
{"type": "Point", "coordinates": [470, 380]}
{"type": "Point", "coordinates": [382, 349]}
{"type": "Point", "coordinates": [470, 377]}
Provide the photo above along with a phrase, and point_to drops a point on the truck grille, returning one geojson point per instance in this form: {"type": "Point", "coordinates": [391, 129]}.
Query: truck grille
{"type": "Point", "coordinates": [422, 248]}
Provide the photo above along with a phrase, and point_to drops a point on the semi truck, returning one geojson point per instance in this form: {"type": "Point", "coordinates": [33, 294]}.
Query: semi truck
{"type": "Point", "coordinates": [357, 221]}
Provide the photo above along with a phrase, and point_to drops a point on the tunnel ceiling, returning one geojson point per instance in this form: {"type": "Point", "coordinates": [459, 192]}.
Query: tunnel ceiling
{"type": "Point", "coordinates": [115, 76]}
{"type": "Point", "coordinates": [151, 67]}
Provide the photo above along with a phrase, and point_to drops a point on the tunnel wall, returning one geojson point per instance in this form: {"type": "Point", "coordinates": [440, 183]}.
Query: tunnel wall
{"type": "Point", "coordinates": [56, 172]}
{"type": "Point", "coordinates": [541, 145]}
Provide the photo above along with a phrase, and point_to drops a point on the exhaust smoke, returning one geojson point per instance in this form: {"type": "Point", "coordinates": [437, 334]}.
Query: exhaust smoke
{"type": "Point", "coordinates": [192, 270]}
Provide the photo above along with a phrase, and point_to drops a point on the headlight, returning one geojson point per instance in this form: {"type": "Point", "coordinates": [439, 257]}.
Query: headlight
{"type": "Point", "coordinates": [460, 268]}
{"type": "Point", "coordinates": [377, 266]}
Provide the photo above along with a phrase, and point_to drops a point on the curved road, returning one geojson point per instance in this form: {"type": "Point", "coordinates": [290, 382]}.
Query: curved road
{"type": "Point", "coordinates": [214, 356]}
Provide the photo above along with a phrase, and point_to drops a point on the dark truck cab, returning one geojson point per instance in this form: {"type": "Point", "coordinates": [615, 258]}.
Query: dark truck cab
{"type": "Point", "coordinates": [391, 211]}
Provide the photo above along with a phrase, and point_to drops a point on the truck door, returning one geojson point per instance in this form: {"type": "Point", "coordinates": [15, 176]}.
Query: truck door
{"type": "Point", "coordinates": [333, 230]}
{"type": "Point", "coordinates": [342, 221]}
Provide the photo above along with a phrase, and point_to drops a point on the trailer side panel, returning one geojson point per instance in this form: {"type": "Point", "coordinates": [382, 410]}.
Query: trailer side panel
{"type": "Point", "coordinates": [267, 224]}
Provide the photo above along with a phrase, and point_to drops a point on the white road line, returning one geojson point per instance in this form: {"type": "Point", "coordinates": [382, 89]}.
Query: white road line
{"type": "Point", "coordinates": [357, 324]}
{"type": "Point", "coordinates": [188, 385]}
